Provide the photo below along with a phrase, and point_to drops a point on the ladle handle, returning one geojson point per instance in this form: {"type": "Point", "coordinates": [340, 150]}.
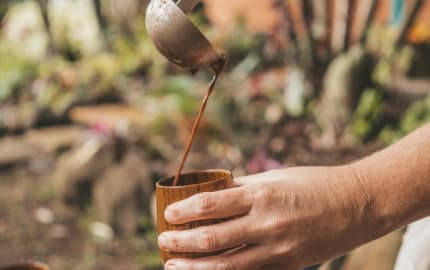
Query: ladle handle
{"type": "Point", "coordinates": [187, 5]}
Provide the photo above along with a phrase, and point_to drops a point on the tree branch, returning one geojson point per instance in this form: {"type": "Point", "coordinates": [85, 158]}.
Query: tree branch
{"type": "Point", "coordinates": [43, 5]}
{"type": "Point", "coordinates": [308, 17]}
{"type": "Point", "coordinates": [3, 10]}
{"type": "Point", "coordinates": [288, 23]}
{"type": "Point", "coordinates": [408, 22]}
{"type": "Point", "coordinates": [99, 15]}
{"type": "Point", "coordinates": [369, 15]}
{"type": "Point", "coordinates": [348, 23]}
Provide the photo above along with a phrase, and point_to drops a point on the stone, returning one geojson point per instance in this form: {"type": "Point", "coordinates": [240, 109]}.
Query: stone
{"type": "Point", "coordinates": [115, 117]}
{"type": "Point", "coordinates": [76, 171]}
{"type": "Point", "coordinates": [56, 138]}
{"type": "Point", "coordinates": [123, 193]}
{"type": "Point", "coordinates": [44, 215]}
{"type": "Point", "coordinates": [101, 231]}
{"type": "Point", "coordinates": [38, 143]}
{"type": "Point", "coordinates": [346, 78]}
{"type": "Point", "coordinates": [14, 149]}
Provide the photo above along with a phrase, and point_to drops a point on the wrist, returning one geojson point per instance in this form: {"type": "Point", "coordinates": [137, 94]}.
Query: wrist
{"type": "Point", "coordinates": [385, 206]}
{"type": "Point", "coordinates": [368, 213]}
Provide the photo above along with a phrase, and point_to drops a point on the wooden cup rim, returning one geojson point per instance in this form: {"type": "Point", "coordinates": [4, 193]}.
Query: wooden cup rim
{"type": "Point", "coordinates": [227, 175]}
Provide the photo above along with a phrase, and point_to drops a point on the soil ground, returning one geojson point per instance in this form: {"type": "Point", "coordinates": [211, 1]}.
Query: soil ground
{"type": "Point", "coordinates": [66, 243]}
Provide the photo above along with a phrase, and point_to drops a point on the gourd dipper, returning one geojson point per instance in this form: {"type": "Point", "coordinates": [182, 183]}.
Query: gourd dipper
{"type": "Point", "coordinates": [177, 38]}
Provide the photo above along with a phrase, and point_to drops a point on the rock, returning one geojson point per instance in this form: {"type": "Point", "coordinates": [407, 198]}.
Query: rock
{"type": "Point", "coordinates": [101, 231]}
{"type": "Point", "coordinates": [15, 149]}
{"type": "Point", "coordinates": [76, 171]}
{"type": "Point", "coordinates": [44, 215]}
{"type": "Point", "coordinates": [55, 138]}
{"type": "Point", "coordinates": [344, 81]}
{"type": "Point", "coordinates": [38, 143]}
{"type": "Point", "coordinates": [115, 117]}
{"type": "Point", "coordinates": [122, 193]}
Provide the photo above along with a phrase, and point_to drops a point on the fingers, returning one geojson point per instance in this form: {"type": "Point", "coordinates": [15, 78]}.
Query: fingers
{"type": "Point", "coordinates": [248, 258]}
{"type": "Point", "coordinates": [210, 205]}
{"type": "Point", "coordinates": [227, 235]}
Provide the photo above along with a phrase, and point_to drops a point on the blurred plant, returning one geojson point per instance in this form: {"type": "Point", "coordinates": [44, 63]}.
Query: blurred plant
{"type": "Point", "coordinates": [367, 117]}
{"type": "Point", "coordinates": [16, 71]}
{"type": "Point", "coordinates": [43, 4]}
{"type": "Point", "coordinates": [3, 9]}
{"type": "Point", "coordinates": [117, 61]}
{"type": "Point", "coordinates": [415, 116]}
{"type": "Point", "coordinates": [341, 58]}
{"type": "Point", "coordinates": [241, 43]}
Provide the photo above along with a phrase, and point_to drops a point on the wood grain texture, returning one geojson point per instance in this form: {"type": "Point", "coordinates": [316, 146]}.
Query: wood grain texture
{"type": "Point", "coordinates": [191, 184]}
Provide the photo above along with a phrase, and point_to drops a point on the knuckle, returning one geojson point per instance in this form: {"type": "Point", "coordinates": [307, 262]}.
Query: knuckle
{"type": "Point", "coordinates": [282, 250]}
{"type": "Point", "coordinates": [278, 224]}
{"type": "Point", "coordinates": [207, 240]}
{"type": "Point", "coordinates": [264, 193]}
{"type": "Point", "coordinates": [275, 225]}
{"type": "Point", "coordinates": [287, 253]}
{"type": "Point", "coordinates": [175, 243]}
{"type": "Point", "coordinates": [225, 264]}
{"type": "Point", "coordinates": [205, 203]}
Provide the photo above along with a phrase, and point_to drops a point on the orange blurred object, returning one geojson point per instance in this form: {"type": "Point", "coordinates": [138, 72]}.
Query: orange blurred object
{"type": "Point", "coordinates": [257, 15]}
{"type": "Point", "coordinates": [261, 16]}
{"type": "Point", "coordinates": [421, 30]}
{"type": "Point", "coordinates": [420, 33]}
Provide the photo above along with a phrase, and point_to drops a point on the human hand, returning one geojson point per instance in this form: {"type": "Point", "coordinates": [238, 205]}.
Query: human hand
{"type": "Point", "coordinates": [282, 219]}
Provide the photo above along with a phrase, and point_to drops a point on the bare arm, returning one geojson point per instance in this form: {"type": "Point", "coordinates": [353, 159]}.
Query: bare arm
{"type": "Point", "coordinates": [398, 179]}
{"type": "Point", "coordinates": [296, 217]}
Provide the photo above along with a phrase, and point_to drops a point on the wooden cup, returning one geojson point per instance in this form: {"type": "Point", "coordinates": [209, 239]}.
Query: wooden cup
{"type": "Point", "coordinates": [26, 266]}
{"type": "Point", "coordinates": [190, 184]}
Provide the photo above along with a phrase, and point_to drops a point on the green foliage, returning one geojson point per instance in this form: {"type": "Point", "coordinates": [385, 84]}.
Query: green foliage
{"type": "Point", "coordinates": [176, 95]}
{"type": "Point", "coordinates": [368, 114]}
{"type": "Point", "coordinates": [241, 43]}
{"type": "Point", "coordinates": [15, 71]}
{"type": "Point", "coordinates": [414, 117]}
{"type": "Point", "coordinates": [392, 64]}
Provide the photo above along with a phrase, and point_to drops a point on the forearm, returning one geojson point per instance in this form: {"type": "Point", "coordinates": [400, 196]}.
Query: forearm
{"type": "Point", "coordinates": [398, 180]}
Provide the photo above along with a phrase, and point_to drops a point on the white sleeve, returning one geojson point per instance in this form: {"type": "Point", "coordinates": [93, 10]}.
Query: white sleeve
{"type": "Point", "coordinates": [415, 251]}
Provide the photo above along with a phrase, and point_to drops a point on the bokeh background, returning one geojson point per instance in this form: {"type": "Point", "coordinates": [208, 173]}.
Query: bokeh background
{"type": "Point", "coordinates": [91, 115]}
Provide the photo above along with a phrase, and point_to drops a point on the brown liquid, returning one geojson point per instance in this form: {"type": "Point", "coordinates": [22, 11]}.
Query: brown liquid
{"type": "Point", "coordinates": [217, 68]}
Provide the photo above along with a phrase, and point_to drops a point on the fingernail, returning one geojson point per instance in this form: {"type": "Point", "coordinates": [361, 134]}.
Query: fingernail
{"type": "Point", "coordinates": [162, 242]}
{"type": "Point", "coordinates": [170, 266]}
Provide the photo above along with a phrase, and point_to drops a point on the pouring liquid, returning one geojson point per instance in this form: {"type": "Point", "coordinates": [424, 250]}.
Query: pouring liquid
{"type": "Point", "coordinates": [217, 68]}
